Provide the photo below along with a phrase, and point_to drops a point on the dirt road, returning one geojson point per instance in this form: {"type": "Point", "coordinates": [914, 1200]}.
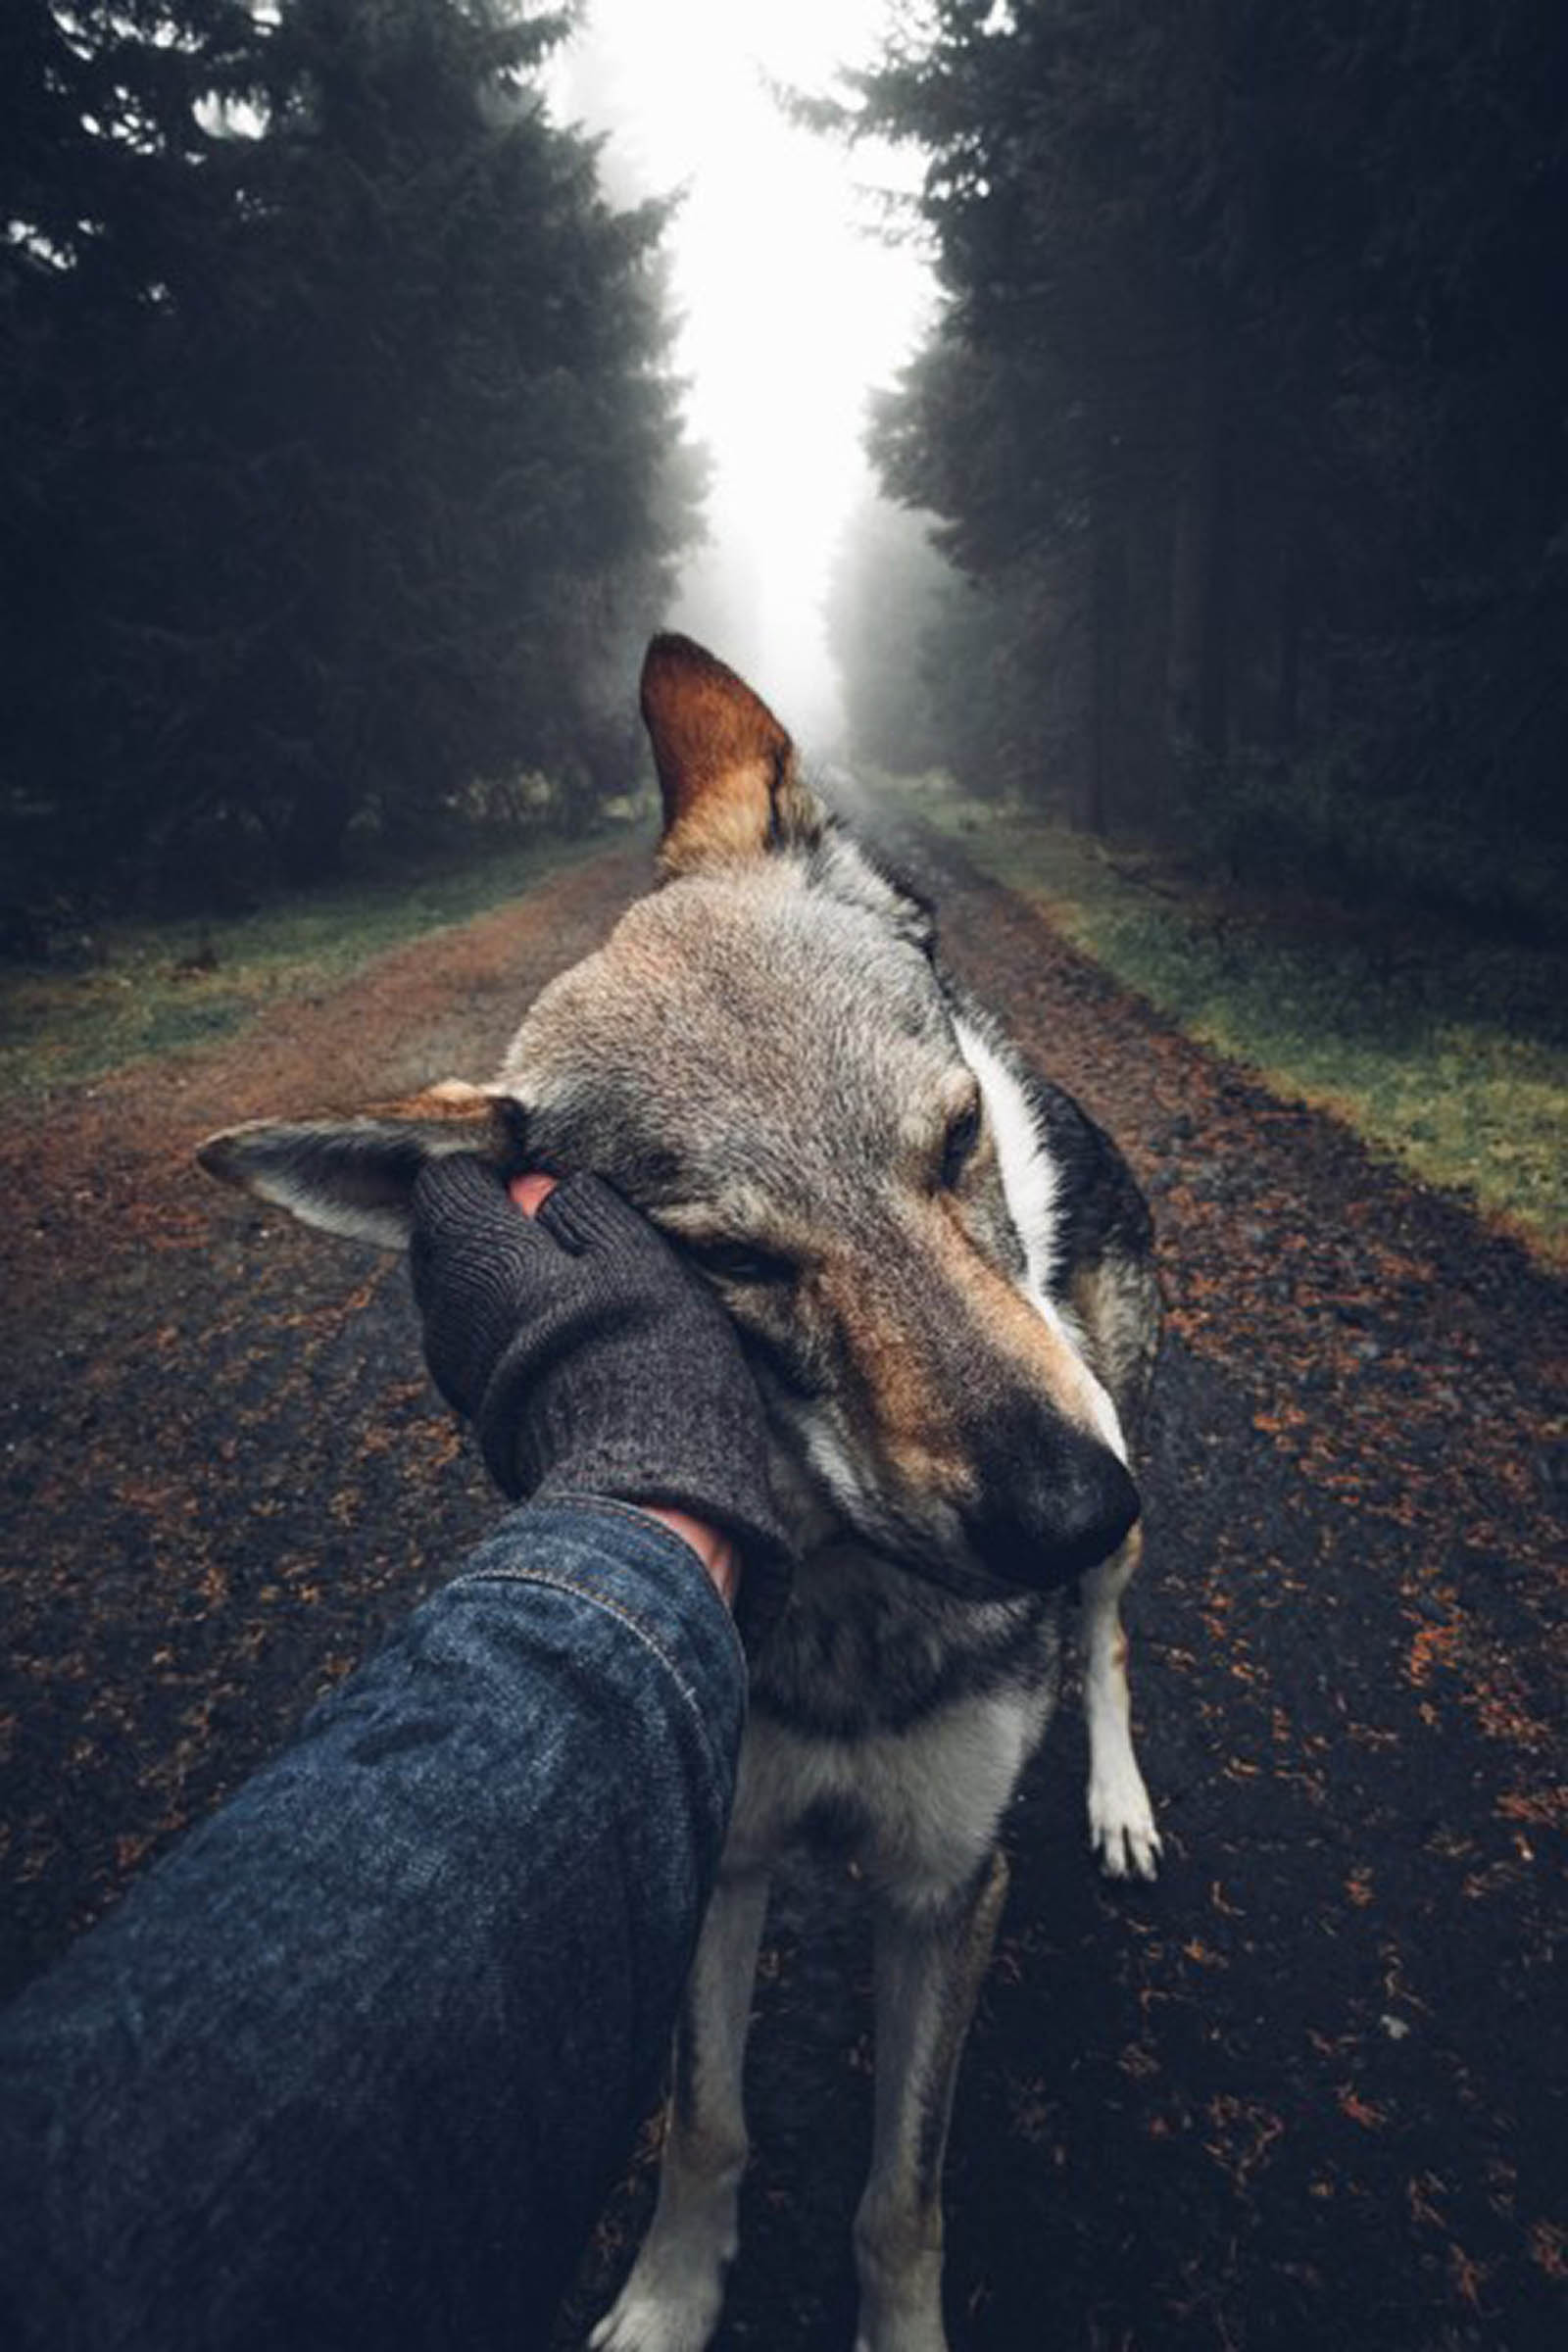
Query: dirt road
{"type": "Point", "coordinates": [1310, 2088]}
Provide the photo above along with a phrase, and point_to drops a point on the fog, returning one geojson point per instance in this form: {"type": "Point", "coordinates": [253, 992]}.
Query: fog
{"type": "Point", "coordinates": [792, 305]}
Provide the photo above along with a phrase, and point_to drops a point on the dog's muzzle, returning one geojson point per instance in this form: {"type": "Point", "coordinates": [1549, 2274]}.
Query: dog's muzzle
{"type": "Point", "coordinates": [1048, 1511]}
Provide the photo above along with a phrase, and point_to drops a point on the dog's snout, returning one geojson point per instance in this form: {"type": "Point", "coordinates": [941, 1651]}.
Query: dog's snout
{"type": "Point", "coordinates": [1048, 1510]}
{"type": "Point", "coordinates": [1097, 1511]}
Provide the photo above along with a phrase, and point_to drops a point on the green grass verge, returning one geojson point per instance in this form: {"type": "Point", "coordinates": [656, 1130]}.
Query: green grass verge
{"type": "Point", "coordinates": [146, 989]}
{"type": "Point", "coordinates": [1446, 1049]}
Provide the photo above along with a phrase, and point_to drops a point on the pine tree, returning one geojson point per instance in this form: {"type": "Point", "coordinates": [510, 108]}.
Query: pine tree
{"type": "Point", "coordinates": [364, 462]}
{"type": "Point", "coordinates": [1245, 403]}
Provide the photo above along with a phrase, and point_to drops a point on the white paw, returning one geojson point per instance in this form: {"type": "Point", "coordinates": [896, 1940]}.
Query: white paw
{"type": "Point", "coordinates": [904, 2343]}
{"type": "Point", "coordinates": [901, 2300]}
{"type": "Point", "coordinates": [667, 2305]}
{"type": "Point", "coordinates": [924, 2335]}
{"type": "Point", "coordinates": [1121, 1825]}
{"type": "Point", "coordinates": [891, 2330]}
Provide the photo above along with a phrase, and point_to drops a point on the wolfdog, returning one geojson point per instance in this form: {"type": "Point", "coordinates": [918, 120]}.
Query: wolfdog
{"type": "Point", "coordinates": [941, 1270]}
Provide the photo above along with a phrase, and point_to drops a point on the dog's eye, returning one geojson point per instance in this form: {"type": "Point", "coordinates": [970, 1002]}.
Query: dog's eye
{"type": "Point", "coordinates": [741, 1261]}
{"type": "Point", "coordinates": [961, 1139]}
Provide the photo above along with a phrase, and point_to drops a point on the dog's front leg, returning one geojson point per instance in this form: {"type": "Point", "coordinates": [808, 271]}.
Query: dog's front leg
{"type": "Point", "coordinates": [1121, 1820]}
{"type": "Point", "coordinates": [670, 2303]}
{"type": "Point", "coordinates": [930, 1960]}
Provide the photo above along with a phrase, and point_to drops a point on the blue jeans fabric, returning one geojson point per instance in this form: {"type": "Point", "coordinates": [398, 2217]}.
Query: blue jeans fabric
{"type": "Point", "coordinates": [356, 2064]}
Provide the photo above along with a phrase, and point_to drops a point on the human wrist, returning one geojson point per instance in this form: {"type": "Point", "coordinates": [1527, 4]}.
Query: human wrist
{"type": "Point", "coordinates": [715, 1548]}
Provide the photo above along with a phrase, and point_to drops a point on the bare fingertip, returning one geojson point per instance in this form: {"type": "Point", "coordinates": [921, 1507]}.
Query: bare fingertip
{"type": "Point", "coordinates": [531, 1192]}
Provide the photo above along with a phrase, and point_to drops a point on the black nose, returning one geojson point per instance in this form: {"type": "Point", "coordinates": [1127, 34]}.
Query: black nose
{"type": "Point", "coordinates": [1049, 1507]}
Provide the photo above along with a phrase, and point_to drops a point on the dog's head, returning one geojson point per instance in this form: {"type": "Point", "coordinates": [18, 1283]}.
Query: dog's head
{"type": "Point", "coordinates": [762, 1057]}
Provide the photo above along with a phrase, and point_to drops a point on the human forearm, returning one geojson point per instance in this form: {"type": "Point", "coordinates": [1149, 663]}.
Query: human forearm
{"type": "Point", "coordinates": [357, 2061]}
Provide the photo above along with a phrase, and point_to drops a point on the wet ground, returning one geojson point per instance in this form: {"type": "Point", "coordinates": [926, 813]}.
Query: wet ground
{"type": "Point", "coordinates": [1310, 2090]}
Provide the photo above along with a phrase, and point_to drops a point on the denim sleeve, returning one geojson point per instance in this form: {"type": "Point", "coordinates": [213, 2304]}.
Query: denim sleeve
{"type": "Point", "coordinates": [357, 2062]}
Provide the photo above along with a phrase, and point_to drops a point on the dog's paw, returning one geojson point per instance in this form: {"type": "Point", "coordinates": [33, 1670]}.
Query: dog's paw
{"type": "Point", "coordinates": [658, 2312]}
{"type": "Point", "coordinates": [890, 2327]}
{"type": "Point", "coordinates": [1122, 1826]}
{"type": "Point", "coordinates": [924, 2335]}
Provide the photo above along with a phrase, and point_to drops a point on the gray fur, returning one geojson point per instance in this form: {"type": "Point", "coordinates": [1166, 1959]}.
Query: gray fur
{"type": "Point", "coordinates": [767, 1057]}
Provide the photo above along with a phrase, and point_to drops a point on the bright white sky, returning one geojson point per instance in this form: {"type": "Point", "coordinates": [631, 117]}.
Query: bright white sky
{"type": "Point", "coordinates": [791, 313]}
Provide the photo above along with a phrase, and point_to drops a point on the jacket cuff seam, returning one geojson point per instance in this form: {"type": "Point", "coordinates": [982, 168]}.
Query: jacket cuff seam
{"type": "Point", "coordinates": [590, 1590]}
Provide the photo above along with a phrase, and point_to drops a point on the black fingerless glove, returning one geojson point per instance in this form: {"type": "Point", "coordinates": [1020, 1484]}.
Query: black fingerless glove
{"type": "Point", "coordinates": [591, 1360]}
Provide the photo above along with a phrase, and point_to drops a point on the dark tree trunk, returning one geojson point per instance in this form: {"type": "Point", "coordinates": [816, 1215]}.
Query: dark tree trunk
{"type": "Point", "coordinates": [1287, 713]}
{"type": "Point", "coordinates": [1201, 610]}
{"type": "Point", "coordinates": [311, 846]}
{"type": "Point", "coordinates": [1141, 783]}
{"type": "Point", "coordinates": [1107, 629]}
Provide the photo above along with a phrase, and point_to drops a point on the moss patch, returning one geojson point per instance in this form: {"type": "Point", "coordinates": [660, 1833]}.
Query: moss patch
{"type": "Point", "coordinates": [1444, 1047]}
{"type": "Point", "coordinates": [141, 988]}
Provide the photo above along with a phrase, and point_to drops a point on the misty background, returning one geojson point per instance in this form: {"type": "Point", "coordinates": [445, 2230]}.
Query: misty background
{"type": "Point", "coordinates": [1125, 440]}
{"type": "Point", "coordinates": [1149, 416]}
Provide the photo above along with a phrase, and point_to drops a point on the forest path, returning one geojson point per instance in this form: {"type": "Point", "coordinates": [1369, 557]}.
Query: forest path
{"type": "Point", "coordinates": [1307, 2089]}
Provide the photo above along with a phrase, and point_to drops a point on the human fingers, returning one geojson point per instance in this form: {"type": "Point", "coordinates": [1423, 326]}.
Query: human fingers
{"type": "Point", "coordinates": [585, 1212]}
{"type": "Point", "coordinates": [533, 1190]}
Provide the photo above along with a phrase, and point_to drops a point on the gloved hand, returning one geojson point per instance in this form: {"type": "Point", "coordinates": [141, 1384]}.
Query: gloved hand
{"type": "Point", "coordinates": [590, 1360]}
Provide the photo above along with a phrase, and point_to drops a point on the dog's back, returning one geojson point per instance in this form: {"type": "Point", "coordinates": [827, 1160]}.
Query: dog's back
{"type": "Point", "coordinates": [944, 1269]}
{"type": "Point", "coordinates": [941, 1270]}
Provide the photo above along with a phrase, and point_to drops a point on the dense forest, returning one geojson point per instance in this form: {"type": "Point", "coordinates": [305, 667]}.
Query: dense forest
{"type": "Point", "coordinates": [340, 465]}
{"type": "Point", "coordinates": [342, 473]}
{"type": "Point", "coordinates": [1237, 461]}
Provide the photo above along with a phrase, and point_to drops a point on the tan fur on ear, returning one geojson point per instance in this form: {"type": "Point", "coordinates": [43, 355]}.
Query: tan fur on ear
{"type": "Point", "coordinates": [437, 1105]}
{"type": "Point", "coordinates": [355, 1174]}
{"type": "Point", "coordinates": [726, 767]}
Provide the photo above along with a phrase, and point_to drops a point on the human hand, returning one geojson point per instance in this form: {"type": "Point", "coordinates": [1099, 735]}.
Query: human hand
{"type": "Point", "coordinates": [712, 1546]}
{"type": "Point", "coordinates": [591, 1360]}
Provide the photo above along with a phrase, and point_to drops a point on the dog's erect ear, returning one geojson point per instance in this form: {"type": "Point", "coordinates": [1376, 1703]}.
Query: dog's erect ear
{"type": "Point", "coordinates": [726, 767]}
{"type": "Point", "coordinates": [356, 1175]}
